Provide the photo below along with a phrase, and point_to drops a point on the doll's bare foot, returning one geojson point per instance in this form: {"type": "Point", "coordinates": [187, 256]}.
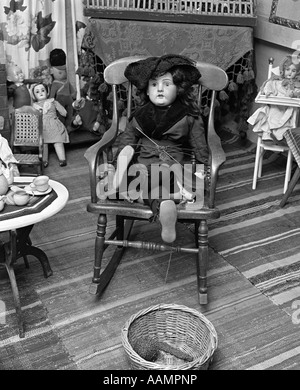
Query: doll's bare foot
{"type": "Point", "coordinates": [168, 219]}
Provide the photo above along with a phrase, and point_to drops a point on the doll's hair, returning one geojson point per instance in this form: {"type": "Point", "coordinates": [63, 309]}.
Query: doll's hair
{"type": "Point", "coordinates": [33, 88]}
{"type": "Point", "coordinates": [288, 61]}
{"type": "Point", "coordinates": [184, 80]}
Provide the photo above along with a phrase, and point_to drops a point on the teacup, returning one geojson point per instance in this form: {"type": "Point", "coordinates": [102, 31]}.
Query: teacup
{"type": "Point", "coordinates": [40, 183]}
{"type": "Point", "coordinates": [21, 198]}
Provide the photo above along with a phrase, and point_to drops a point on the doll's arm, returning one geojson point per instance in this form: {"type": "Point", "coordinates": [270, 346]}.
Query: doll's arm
{"type": "Point", "coordinates": [130, 136]}
{"type": "Point", "coordinates": [56, 85]}
{"type": "Point", "coordinates": [197, 140]}
{"type": "Point", "coordinates": [269, 88]}
{"type": "Point", "coordinates": [60, 108]}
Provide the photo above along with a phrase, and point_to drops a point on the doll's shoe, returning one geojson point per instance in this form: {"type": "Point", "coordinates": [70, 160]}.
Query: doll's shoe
{"type": "Point", "coordinates": [45, 164]}
{"type": "Point", "coordinates": [168, 219]}
{"type": "Point", "coordinates": [62, 163]}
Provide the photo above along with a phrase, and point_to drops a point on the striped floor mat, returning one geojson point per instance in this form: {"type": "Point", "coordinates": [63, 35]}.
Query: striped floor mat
{"type": "Point", "coordinates": [253, 277]}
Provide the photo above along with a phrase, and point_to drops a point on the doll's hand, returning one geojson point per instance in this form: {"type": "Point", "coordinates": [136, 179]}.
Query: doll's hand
{"type": "Point", "coordinates": [77, 121]}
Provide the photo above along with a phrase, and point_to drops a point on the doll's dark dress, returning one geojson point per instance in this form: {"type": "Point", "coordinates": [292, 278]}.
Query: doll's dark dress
{"type": "Point", "coordinates": [174, 129]}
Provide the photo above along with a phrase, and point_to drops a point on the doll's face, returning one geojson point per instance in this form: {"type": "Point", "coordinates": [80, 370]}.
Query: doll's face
{"type": "Point", "coordinates": [40, 92]}
{"type": "Point", "coordinates": [15, 74]}
{"type": "Point", "coordinates": [290, 72]}
{"type": "Point", "coordinates": [59, 74]}
{"type": "Point", "coordinates": [162, 91]}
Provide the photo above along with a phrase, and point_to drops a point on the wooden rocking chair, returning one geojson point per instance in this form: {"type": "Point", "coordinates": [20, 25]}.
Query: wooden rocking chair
{"type": "Point", "coordinates": [213, 79]}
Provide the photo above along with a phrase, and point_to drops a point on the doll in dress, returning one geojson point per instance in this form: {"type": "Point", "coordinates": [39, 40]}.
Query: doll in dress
{"type": "Point", "coordinates": [286, 83]}
{"type": "Point", "coordinates": [89, 113]}
{"type": "Point", "coordinates": [54, 132]}
{"type": "Point", "coordinates": [271, 119]}
{"type": "Point", "coordinates": [163, 129]}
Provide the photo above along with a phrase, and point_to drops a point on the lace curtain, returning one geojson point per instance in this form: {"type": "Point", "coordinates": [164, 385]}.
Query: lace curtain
{"type": "Point", "coordinates": [30, 29]}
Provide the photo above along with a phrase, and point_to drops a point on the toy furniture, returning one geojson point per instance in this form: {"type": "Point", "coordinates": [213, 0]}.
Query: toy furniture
{"type": "Point", "coordinates": [18, 225]}
{"type": "Point", "coordinates": [26, 139]}
{"type": "Point", "coordinates": [262, 145]}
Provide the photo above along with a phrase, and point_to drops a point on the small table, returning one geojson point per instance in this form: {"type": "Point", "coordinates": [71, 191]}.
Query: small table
{"type": "Point", "coordinates": [19, 243]}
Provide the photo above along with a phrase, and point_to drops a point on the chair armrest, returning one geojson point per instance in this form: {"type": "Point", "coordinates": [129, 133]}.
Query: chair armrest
{"type": "Point", "coordinates": [217, 158]}
{"type": "Point", "coordinates": [93, 154]}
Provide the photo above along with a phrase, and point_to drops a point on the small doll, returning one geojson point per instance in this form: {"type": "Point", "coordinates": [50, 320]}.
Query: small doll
{"type": "Point", "coordinates": [88, 110]}
{"type": "Point", "coordinates": [54, 131]}
{"type": "Point", "coordinates": [17, 86]}
{"type": "Point", "coordinates": [163, 129]}
{"type": "Point", "coordinates": [286, 82]}
{"type": "Point", "coordinates": [61, 89]}
{"type": "Point", "coordinates": [271, 119]}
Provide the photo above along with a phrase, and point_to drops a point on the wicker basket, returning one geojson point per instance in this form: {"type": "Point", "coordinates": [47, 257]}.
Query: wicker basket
{"type": "Point", "coordinates": [183, 328]}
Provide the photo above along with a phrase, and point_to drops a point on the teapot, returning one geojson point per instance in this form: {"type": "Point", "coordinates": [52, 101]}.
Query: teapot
{"type": "Point", "coordinates": [21, 198]}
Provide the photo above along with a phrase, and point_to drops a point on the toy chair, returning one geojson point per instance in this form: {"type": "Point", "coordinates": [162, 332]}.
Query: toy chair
{"type": "Point", "coordinates": [262, 145]}
{"type": "Point", "coordinates": [27, 137]}
{"type": "Point", "coordinates": [260, 150]}
{"type": "Point", "coordinates": [125, 213]}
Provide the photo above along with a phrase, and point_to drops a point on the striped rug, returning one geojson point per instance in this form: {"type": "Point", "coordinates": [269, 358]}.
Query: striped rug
{"type": "Point", "coordinates": [253, 278]}
{"type": "Point", "coordinates": [254, 234]}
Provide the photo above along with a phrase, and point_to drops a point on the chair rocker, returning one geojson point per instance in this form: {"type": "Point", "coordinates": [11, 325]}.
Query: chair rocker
{"type": "Point", "coordinates": [213, 79]}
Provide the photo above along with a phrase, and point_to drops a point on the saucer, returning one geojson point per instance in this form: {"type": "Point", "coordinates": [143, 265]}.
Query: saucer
{"type": "Point", "coordinates": [35, 192]}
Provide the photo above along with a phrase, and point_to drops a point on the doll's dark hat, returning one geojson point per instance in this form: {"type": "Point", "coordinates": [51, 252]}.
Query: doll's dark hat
{"type": "Point", "coordinates": [58, 59]}
{"type": "Point", "coordinates": [140, 72]}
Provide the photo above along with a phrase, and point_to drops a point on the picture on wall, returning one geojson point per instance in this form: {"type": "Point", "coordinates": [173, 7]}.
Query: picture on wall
{"type": "Point", "coordinates": [286, 13]}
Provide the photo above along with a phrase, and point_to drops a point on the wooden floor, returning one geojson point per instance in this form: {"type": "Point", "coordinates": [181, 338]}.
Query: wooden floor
{"type": "Point", "coordinates": [67, 328]}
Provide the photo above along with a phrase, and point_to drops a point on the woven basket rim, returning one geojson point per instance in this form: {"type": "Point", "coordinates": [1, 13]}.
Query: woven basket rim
{"type": "Point", "coordinates": [134, 356]}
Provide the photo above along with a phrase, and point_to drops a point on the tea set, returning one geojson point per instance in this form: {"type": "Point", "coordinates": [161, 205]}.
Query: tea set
{"type": "Point", "coordinates": [17, 196]}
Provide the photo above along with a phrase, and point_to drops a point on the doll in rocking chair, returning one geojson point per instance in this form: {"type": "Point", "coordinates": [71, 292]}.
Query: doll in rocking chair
{"type": "Point", "coordinates": [167, 124]}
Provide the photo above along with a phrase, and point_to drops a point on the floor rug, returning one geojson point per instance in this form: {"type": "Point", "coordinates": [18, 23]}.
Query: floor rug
{"type": "Point", "coordinates": [253, 278]}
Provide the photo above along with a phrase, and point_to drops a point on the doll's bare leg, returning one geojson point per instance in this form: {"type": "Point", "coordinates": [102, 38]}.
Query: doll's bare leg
{"type": "Point", "coordinates": [168, 219]}
{"type": "Point", "coordinates": [123, 161]}
{"type": "Point", "coordinates": [60, 152]}
{"type": "Point", "coordinates": [45, 155]}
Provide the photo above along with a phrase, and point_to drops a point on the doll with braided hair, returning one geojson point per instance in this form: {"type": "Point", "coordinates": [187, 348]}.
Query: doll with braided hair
{"type": "Point", "coordinates": [167, 123]}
